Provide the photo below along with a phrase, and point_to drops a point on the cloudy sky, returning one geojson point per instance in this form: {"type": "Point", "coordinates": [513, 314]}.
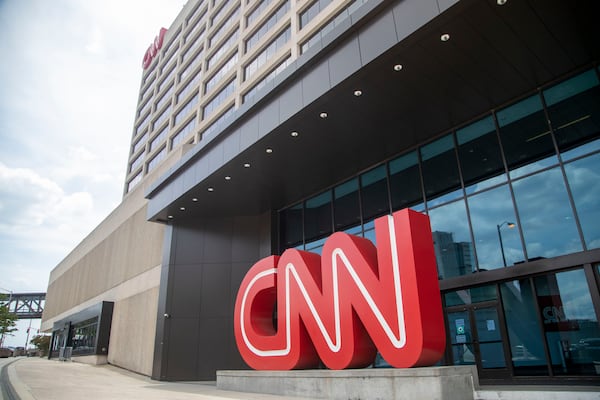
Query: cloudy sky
{"type": "Point", "coordinates": [69, 78]}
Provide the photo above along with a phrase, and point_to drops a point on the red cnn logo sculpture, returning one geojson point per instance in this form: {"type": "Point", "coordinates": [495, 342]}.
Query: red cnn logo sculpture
{"type": "Point", "coordinates": [343, 306]}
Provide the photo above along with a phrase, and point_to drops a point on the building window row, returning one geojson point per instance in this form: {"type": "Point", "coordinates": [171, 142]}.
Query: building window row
{"type": "Point", "coordinates": [328, 27]}
{"type": "Point", "coordinates": [183, 133]}
{"type": "Point", "coordinates": [145, 107]}
{"type": "Point", "coordinates": [216, 17]}
{"type": "Point", "coordinates": [156, 159]}
{"type": "Point", "coordinates": [146, 89]}
{"type": "Point", "coordinates": [190, 66]}
{"type": "Point", "coordinates": [219, 99]}
{"type": "Point", "coordinates": [166, 97]}
{"type": "Point", "coordinates": [137, 161]}
{"type": "Point", "coordinates": [167, 79]}
{"type": "Point", "coordinates": [158, 139]}
{"type": "Point", "coordinates": [166, 48]}
{"type": "Point", "coordinates": [167, 62]}
{"type": "Point", "coordinates": [268, 78]}
{"type": "Point", "coordinates": [195, 11]}
{"type": "Point", "coordinates": [221, 73]}
{"type": "Point", "coordinates": [224, 28]}
{"type": "Point", "coordinates": [312, 11]}
{"type": "Point", "coordinates": [496, 191]}
{"type": "Point", "coordinates": [187, 108]}
{"type": "Point", "coordinates": [142, 125]}
{"type": "Point", "coordinates": [223, 49]}
{"type": "Point", "coordinates": [218, 123]}
{"type": "Point", "coordinates": [267, 25]}
{"type": "Point", "coordinates": [133, 182]}
{"type": "Point", "coordinates": [195, 44]}
{"type": "Point", "coordinates": [140, 143]}
{"type": "Point", "coordinates": [192, 84]}
{"type": "Point", "coordinates": [162, 117]}
{"type": "Point", "coordinates": [261, 58]}
{"type": "Point", "coordinates": [254, 14]}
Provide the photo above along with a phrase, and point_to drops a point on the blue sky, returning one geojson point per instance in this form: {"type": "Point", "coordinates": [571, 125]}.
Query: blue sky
{"type": "Point", "coordinates": [69, 79]}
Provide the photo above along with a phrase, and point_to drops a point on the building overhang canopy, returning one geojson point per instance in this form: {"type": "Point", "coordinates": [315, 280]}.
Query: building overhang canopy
{"type": "Point", "coordinates": [415, 90]}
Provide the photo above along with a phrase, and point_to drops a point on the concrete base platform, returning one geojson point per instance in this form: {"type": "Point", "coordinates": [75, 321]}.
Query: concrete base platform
{"type": "Point", "coordinates": [443, 383]}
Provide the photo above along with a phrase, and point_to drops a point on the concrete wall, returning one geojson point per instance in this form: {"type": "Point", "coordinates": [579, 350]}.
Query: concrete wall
{"type": "Point", "coordinates": [133, 330]}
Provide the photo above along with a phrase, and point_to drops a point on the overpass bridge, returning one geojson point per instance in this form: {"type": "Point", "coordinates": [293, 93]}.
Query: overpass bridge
{"type": "Point", "coordinates": [24, 305]}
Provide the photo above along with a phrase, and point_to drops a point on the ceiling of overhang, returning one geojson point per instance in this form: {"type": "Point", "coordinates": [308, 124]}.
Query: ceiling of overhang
{"type": "Point", "coordinates": [495, 53]}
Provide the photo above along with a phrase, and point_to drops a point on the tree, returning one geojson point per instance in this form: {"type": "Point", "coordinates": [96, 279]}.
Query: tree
{"type": "Point", "coordinates": [42, 343]}
{"type": "Point", "coordinates": [7, 322]}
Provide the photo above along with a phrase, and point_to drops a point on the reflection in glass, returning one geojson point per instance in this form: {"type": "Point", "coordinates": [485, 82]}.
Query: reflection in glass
{"type": "Point", "coordinates": [317, 216]}
{"type": "Point", "coordinates": [346, 204]}
{"type": "Point", "coordinates": [489, 211]}
{"type": "Point", "coordinates": [470, 296]}
{"type": "Point", "coordinates": [440, 171]}
{"type": "Point", "coordinates": [569, 321]}
{"type": "Point", "coordinates": [479, 154]}
{"type": "Point", "coordinates": [489, 337]}
{"type": "Point", "coordinates": [546, 217]}
{"type": "Point", "coordinates": [574, 109]}
{"type": "Point", "coordinates": [290, 227]}
{"type": "Point", "coordinates": [524, 334]}
{"type": "Point", "coordinates": [584, 180]}
{"type": "Point", "coordinates": [525, 136]}
{"type": "Point", "coordinates": [405, 181]}
{"type": "Point", "coordinates": [451, 240]}
{"type": "Point", "coordinates": [461, 338]}
{"type": "Point", "coordinates": [374, 193]}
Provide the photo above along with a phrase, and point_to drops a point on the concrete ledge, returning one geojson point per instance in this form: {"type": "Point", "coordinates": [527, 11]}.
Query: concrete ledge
{"type": "Point", "coordinates": [92, 360]}
{"type": "Point", "coordinates": [443, 383]}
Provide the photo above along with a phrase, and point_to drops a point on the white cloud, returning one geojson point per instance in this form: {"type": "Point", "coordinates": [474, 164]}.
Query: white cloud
{"type": "Point", "coordinates": [67, 108]}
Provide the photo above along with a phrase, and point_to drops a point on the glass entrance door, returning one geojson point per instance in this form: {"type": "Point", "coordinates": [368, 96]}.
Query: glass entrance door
{"type": "Point", "coordinates": [476, 339]}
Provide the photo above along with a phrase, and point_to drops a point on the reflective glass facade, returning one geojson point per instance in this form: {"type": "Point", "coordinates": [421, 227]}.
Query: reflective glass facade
{"type": "Point", "coordinates": [518, 185]}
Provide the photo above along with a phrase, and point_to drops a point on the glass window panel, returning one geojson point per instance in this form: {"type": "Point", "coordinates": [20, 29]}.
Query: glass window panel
{"type": "Point", "coordinates": [489, 337]}
{"type": "Point", "coordinates": [451, 240]}
{"type": "Point", "coordinates": [316, 246]}
{"type": "Point", "coordinates": [440, 171]}
{"type": "Point", "coordinates": [346, 205]}
{"type": "Point", "coordinates": [574, 109]}
{"type": "Point", "coordinates": [405, 181]}
{"type": "Point", "coordinates": [524, 331]}
{"type": "Point", "coordinates": [374, 193]}
{"type": "Point", "coordinates": [497, 239]}
{"type": "Point", "coordinates": [479, 153]}
{"type": "Point", "coordinates": [584, 149]}
{"type": "Point", "coordinates": [584, 180]}
{"type": "Point", "coordinates": [317, 216]}
{"type": "Point", "coordinates": [546, 216]}
{"type": "Point", "coordinates": [525, 135]}
{"type": "Point", "coordinates": [470, 296]}
{"type": "Point", "coordinates": [461, 338]}
{"type": "Point", "coordinates": [569, 321]}
{"type": "Point", "coordinates": [290, 226]}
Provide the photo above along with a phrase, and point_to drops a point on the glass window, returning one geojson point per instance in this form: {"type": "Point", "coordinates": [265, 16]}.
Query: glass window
{"type": "Point", "coordinates": [479, 155]}
{"type": "Point", "coordinates": [440, 171]}
{"type": "Point", "coordinates": [584, 180]}
{"type": "Point", "coordinates": [497, 239]}
{"type": "Point", "coordinates": [290, 226]}
{"type": "Point", "coordinates": [569, 321]}
{"type": "Point", "coordinates": [471, 296]}
{"type": "Point", "coordinates": [546, 216]}
{"type": "Point", "coordinates": [374, 193]}
{"type": "Point", "coordinates": [522, 324]}
{"type": "Point", "coordinates": [526, 137]}
{"type": "Point", "coordinates": [451, 240]}
{"type": "Point", "coordinates": [405, 182]}
{"type": "Point", "coordinates": [317, 216]}
{"type": "Point", "coordinates": [346, 206]}
{"type": "Point", "coordinates": [574, 109]}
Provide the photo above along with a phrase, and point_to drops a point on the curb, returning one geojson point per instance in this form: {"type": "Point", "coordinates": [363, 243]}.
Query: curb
{"type": "Point", "coordinates": [16, 388]}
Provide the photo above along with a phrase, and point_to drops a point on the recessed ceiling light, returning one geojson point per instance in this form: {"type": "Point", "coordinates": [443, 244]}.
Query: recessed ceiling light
{"type": "Point", "coordinates": [211, 189]}
{"type": "Point", "coordinates": [501, 2]}
{"type": "Point", "coordinates": [323, 115]}
{"type": "Point", "coordinates": [195, 199]}
{"type": "Point", "coordinates": [247, 165]}
{"type": "Point", "coordinates": [358, 93]}
{"type": "Point", "coordinates": [398, 67]}
{"type": "Point", "coordinates": [294, 134]}
{"type": "Point", "coordinates": [269, 150]}
{"type": "Point", "coordinates": [227, 178]}
{"type": "Point", "coordinates": [445, 37]}
{"type": "Point", "coordinates": [182, 208]}
{"type": "Point", "coordinates": [170, 216]}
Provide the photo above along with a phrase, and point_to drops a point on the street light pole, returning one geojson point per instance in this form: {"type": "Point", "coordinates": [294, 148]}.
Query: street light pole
{"type": "Point", "coordinates": [510, 225]}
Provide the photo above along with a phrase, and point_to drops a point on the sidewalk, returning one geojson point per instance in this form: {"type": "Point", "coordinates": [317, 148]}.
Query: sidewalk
{"type": "Point", "coordinates": [43, 379]}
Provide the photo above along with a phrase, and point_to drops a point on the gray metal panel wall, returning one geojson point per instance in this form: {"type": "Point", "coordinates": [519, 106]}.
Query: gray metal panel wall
{"type": "Point", "coordinates": [206, 260]}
